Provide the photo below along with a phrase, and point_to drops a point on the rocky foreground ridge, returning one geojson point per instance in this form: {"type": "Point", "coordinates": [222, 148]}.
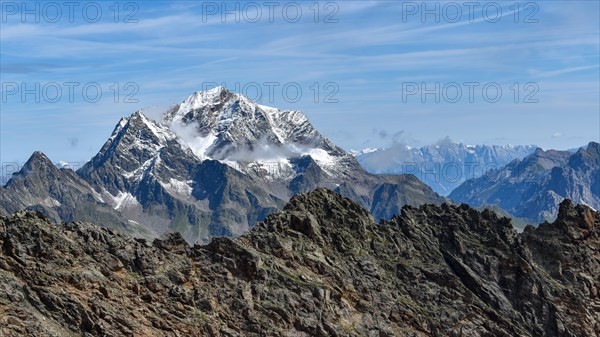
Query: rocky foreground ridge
{"type": "Point", "coordinates": [320, 267]}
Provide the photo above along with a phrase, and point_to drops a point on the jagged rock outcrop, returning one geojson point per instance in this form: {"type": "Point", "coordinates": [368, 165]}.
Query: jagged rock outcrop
{"type": "Point", "coordinates": [319, 267]}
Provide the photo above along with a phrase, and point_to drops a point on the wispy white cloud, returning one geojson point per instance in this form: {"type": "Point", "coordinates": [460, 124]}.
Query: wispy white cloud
{"type": "Point", "coordinates": [563, 71]}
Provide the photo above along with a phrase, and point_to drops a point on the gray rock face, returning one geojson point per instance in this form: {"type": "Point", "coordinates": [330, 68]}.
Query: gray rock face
{"type": "Point", "coordinates": [442, 166]}
{"type": "Point", "coordinates": [533, 187]}
{"type": "Point", "coordinates": [320, 267]}
{"type": "Point", "coordinates": [153, 178]}
{"type": "Point", "coordinates": [60, 194]}
{"type": "Point", "coordinates": [216, 165]}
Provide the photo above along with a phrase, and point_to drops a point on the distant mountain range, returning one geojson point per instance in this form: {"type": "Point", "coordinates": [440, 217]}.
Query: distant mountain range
{"type": "Point", "coordinates": [213, 165]}
{"type": "Point", "coordinates": [444, 165]}
{"type": "Point", "coordinates": [533, 187]}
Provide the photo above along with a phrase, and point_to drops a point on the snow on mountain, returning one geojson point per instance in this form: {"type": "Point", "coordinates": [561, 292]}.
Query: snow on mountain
{"type": "Point", "coordinates": [135, 152]}
{"type": "Point", "coordinates": [213, 165]}
{"type": "Point", "coordinates": [141, 134]}
{"type": "Point", "coordinates": [364, 151]}
{"type": "Point", "coordinates": [256, 140]}
{"type": "Point", "coordinates": [225, 126]}
{"type": "Point", "coordinates": [124, 199]}
{"type": "Point", "coordinates": [218, 162]}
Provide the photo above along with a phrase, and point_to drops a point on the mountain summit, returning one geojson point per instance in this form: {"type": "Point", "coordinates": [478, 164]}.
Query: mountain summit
{"type": "Point", "coordinates": [215, 165]}
{"type": "Point", "coordinates": [221, 125]}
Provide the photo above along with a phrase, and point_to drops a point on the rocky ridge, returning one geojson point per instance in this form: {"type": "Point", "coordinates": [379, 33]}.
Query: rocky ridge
{"type": "Point", "coordinates": [319, 267]}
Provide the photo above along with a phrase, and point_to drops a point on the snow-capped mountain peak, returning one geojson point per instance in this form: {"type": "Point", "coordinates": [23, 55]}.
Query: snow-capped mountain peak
{"type": "Point", "coordinates": [257, 140]}
{"type": "Point", "coordinates": [134, 149]}
{"type": "Point", "coordinates": [226, 114]}
{"type": "Point", "coordinates": [139, 132]}
{"type": "Point", "coordinates": [226, 126]}
{"type": "Point", "coordinates": [202, 99]}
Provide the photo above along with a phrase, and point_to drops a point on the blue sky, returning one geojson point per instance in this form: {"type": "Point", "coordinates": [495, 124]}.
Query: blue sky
{"type": "Point", "coordinates": [371, 61]}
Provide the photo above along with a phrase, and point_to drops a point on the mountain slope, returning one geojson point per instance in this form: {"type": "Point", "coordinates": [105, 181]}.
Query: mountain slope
{"type": "Point", "coordinates": [218, 163]}
{"type": "Point", "coordinates": [282, 148]}
{"type": "Point", "coordinates": [531, 188]}
{"type": "Point", "coordinates": [320, 267]}
{"type": "Point", "coordinates": [62, 195]}
{"type": "Point", "coordinates": [154, 178]}
{"type": "Point", "coordinates": [227, 123]}
{"type": "Point", "coordinates": [443, 166]}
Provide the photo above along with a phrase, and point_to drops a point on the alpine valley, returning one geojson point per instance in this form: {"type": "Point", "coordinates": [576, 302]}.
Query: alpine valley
{"type": "Point", "coordinates": [213, 165]}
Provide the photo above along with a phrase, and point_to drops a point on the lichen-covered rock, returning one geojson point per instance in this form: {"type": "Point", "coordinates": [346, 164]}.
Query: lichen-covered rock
{"type": "Point", "coordinates": [320, 267]}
